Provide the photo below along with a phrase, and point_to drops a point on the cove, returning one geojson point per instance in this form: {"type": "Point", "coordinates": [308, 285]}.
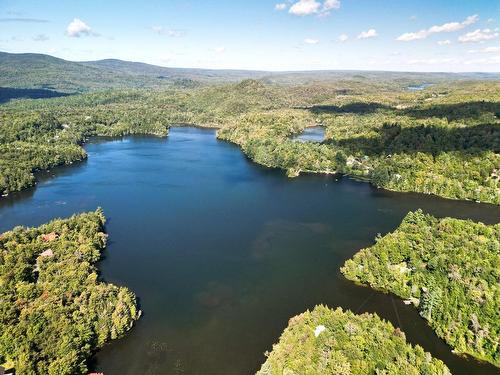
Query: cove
{"type": "Point", "coordinates": [222, 252]}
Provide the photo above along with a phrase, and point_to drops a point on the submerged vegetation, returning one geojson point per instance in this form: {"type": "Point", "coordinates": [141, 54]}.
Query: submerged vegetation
{"type": "Point", "coordinates": [337, 342]}
{"type": "Point", "coordinates": [54, 310]}
{"type": "Point", "coordinates": [443, 140]}
{"type": "Point", "coordinates": [449, 269]}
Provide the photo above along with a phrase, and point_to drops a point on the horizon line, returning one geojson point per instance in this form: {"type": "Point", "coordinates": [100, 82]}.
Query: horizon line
{"type": "Point", "coordinates": [260, 70]}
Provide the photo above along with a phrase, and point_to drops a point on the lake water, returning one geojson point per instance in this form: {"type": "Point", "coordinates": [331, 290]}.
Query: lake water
{"type": "Point", "coordinates": [420, 87]}
{"type": "Point", "coordinates": [222, 252]}
{"type": "Point", "coordinates": [311, 134]}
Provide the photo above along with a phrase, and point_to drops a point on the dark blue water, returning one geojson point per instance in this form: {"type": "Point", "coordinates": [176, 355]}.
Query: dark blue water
{"type": "Point", "coordinates": [222, 252]}
{"type": "Point", "coordinates": [311, 134]}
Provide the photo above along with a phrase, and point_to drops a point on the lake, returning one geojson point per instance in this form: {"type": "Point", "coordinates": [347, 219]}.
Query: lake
{"type": "Point", "coordinates": [311, 134]}
{"type": "Point", "coordinates": [222, 252]}
{"type": "Point", "coordinates": [419, 87]}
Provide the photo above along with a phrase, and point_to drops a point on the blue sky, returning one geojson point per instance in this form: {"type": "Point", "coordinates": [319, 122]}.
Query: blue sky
{"type": "Point", "coordinates": [423, 35]}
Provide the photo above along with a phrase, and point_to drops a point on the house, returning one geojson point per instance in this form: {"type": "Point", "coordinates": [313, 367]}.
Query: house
{"type": "Point", "coordinates": [47, 253]}
{"type": "Point", "coordinates": [50, 236]}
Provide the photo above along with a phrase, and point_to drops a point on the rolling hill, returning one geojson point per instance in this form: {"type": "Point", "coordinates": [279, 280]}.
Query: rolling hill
{"type": "Point", "coordinates": [38, 71]}
{"type": "Point", "coordinates": [54, 75]}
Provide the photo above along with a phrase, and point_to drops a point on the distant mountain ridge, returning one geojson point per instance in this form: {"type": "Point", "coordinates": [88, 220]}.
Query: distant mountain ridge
{"type": "Point", "coordinates": [140, 68]}
{"type": "Point", "coordinates": [39, 71]}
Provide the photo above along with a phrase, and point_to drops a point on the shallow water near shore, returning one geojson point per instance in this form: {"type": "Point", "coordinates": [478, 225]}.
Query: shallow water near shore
{"type": "Point", "coordinates": [222, 252]}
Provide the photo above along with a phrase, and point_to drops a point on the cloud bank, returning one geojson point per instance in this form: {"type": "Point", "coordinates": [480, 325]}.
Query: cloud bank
{"type": "Point", "coordinates": [444, 28]}
{"type": "Point", "coordinates": [309, 7]}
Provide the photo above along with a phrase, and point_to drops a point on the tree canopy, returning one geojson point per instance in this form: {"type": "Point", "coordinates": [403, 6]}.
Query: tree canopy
{"type": "Point", "coordinates": [449, 269]}
{"type": "Point", "coordinates": [337, 342]}
{"type": "Point", "coordinates": [55, 312]}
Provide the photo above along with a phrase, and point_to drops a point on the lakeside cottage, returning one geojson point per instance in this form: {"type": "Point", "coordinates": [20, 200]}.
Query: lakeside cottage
{"type": "Point", "coordinates": [50, 236]}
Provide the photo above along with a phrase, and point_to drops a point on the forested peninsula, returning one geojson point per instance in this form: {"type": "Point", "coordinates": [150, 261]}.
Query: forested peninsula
{"type": "Point", "coordinates": [337, 342]}
{"type": "Point", "coordinates": [443, 140]}
{"type": "Point", "coordinates": [55, 312]}
{"type": "Point", "coordinates": [449, 269]}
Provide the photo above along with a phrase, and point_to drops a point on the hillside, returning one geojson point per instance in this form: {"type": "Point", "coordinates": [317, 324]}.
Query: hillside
{"type": "Point", "coordinates": [162, 73]}
{"type": "Point", "coordinates": [38, 71]}
{"type": "Point", "coordinates": [43, 72]}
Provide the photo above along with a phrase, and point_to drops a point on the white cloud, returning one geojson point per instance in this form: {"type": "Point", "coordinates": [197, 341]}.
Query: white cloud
{"type": "Point", "coordinates": [305, 7]}
{"type": "Point", "coordinates": [219, 49]}
{"type": "Point", "coordinates": [308, 7]}
{"type": "Point", "coordinates": [78, 28]}
{"type": "Point", "coordinates": [485, 50]}
{"type": "Point", "coordinates": [406, 37]}
{"type": "Point", "coordinates": [368, 34]}
{"type": "Point", "coordinates": [280, 6]}
{"type": "Point", "coordinates": [478, 36]}
{"type": "Point", "coordinates": [343, 38]}
{"type": "Point", "coordinates": [491, 49]}
{"type": "Point", "coordinates": [311, 41]}
{"type": "Point", "coordinates": [175, 33]}
{"type": "Point", "coordinates": [444, 28]}
{"type": "Point", "coordinates": [157, 29]}
{"type": "Point", "coordinates": [444, 42]}
{"type": "Point", "coordinates": [454, 26]}
{"type": "Point", "coordinates": [331, 4]}
{"type": "Point", "coordinates": [170, 32]}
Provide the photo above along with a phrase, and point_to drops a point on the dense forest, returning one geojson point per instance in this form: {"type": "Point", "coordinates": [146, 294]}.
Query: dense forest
{"type": "Point", "coordinates": [443, 140]}
{"type": "Point", "coordinates": [447, 268]}
{"type": "Point", "coordinates": [337, 342]}
{"type": "Point", "coordinates": [54, 310]}
{"type": "Point", "coordinates": [433, 142]}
